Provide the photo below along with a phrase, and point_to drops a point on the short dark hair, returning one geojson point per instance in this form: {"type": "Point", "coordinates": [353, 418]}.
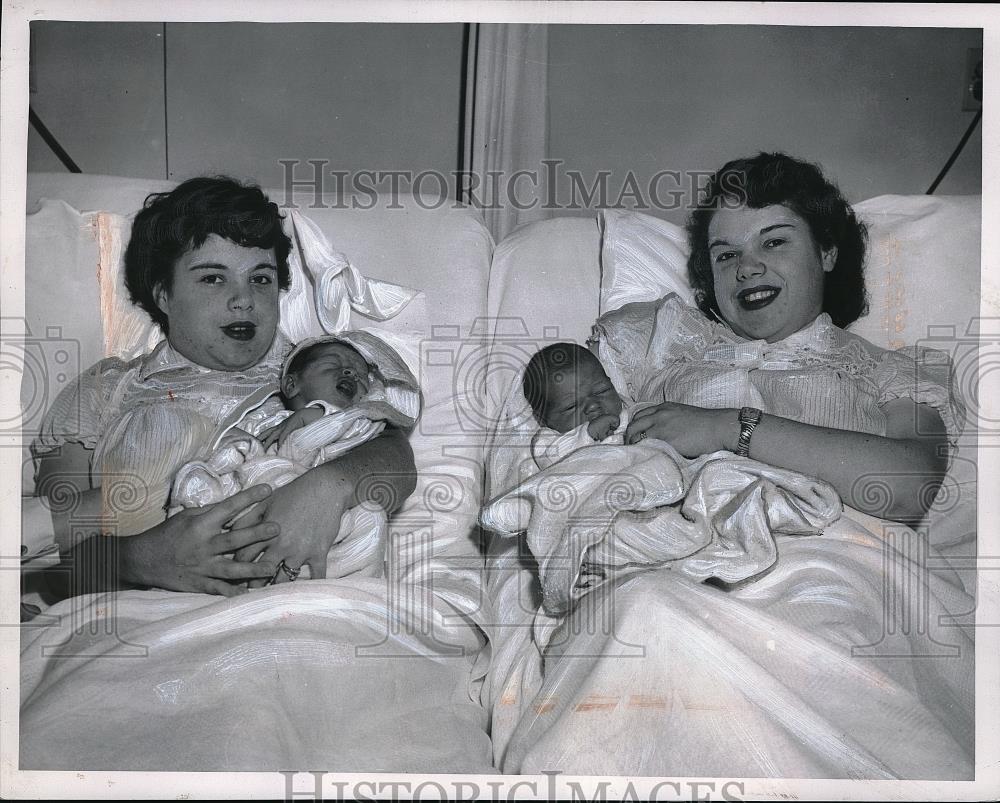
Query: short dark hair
{"type": "Point", "coordinates": [172, 223]}
{"type": "Point", "coordinates": [543, 363]}
{"type": "Point", "coordinates": [769, 179]}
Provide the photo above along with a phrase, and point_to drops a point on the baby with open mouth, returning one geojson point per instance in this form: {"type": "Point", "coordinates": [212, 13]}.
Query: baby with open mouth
{"type": "Point", "coordinates": [329, 372]}
{"type": "Point", "coordinates": [336, 392]}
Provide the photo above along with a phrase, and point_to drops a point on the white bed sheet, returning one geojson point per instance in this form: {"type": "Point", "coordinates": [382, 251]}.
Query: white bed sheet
{"type": "Point", "coordinates": [325, 674]}
{"type": "Point", "coordinates": [817, 670]}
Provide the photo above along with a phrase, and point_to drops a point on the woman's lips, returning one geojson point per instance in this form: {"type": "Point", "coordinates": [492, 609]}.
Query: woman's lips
{"type": "Point", "coordinates": [240, 330]}
{"type": "Point", "coordinates": [754, 298]}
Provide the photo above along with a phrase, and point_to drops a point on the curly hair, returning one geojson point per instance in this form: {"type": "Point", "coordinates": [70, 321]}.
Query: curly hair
{"type": "Point", "coordinates": [769, 179]}
{"type": "Point", "coordinates": [172, 223]}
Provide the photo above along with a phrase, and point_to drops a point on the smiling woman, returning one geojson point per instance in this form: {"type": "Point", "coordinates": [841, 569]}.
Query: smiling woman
{"type": "Point", "coordinates": [809, 221]}
{"type": "Point", "coordinates": [804, 670]}
{"type": "Point", "coordinates": [210, 257]}
{"type": "Point", "coordinates": [777, 260]}
{"type": "Point", "coordinates": [767, 270]}
{"type": "Point", "coordinates": [231, 680]}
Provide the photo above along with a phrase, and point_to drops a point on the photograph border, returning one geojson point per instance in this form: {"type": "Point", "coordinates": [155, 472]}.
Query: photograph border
{"type": "Point", "coordinates": [15, 783]}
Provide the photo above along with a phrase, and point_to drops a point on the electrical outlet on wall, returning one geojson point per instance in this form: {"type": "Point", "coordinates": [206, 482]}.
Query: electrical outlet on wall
{"type": "Point", "coordinates": [972, 87]}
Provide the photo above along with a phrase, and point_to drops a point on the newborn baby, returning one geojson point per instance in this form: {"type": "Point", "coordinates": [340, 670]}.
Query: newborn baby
{"type": "Point", "coordinates": [320, 380]}
{"type": "Point", "coordinates": [590, 514]}
{"type": "Point", "coordinates": [335, 398]}
{"type": "Point", "coordinates": [573, 401]}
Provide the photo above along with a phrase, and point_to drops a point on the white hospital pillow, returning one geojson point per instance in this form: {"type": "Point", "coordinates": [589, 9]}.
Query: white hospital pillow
{"type": "Point", "coordinates": [128, 330]}
{"type": "Point", "coordinates": [922, 270]}
{"type": "Point", "coordinates": [642, 258]}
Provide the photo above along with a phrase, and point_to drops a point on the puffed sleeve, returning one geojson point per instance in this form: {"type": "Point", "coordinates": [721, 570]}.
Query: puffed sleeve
{"type": "Point", "coordinates": [638, 340]}
{"type": "Point", "coordinates": [81, 412]}
{"type": "Point", "coordinates": [925, 376]}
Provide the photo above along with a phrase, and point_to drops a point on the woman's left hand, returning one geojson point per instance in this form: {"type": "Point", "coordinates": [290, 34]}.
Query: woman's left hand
{"type": "Point", "coordinates": [309, 512]}
{"type": "Point", "coordinates": [692, 431]}
{"type": "Point", "coordinates": [309, 508]}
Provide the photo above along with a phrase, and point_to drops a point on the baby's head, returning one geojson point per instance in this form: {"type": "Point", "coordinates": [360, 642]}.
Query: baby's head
{"type": "Point", "coordinates": [328, 370]}
{"type": "Point", "coordinates": [566, 386]}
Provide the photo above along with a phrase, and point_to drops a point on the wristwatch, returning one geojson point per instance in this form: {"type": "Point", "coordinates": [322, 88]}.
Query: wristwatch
{"type": "Point", "coordinates": [749, 419]}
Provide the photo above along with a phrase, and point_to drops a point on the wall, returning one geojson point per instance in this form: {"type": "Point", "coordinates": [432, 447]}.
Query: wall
{"type": "Point", "coordinates": [880, 109]}
{"type": "Point", "coordinates": [362, 96]}
{"type": "Point", "coordinates": [98, 87]}
{"type": "Point", "coordinates": [238, 97]}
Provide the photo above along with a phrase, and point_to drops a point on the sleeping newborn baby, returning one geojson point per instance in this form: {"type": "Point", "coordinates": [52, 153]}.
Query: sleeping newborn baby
{"type": "Point", "coordinates": [573, 401]}
{"type": "Point", "coordinates": [338, 391]}
{"type": "Point", "coordinates": [594, 509]}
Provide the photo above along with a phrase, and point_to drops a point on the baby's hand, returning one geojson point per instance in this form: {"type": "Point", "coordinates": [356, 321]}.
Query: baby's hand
{"type": "Point", "coordinates": [602, 426]}
{"type": "Point", "coordinates": [279, 432]}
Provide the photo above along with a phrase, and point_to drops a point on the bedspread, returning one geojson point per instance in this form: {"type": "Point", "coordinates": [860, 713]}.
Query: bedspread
{"type": "Point", "coordinates": [849, 659]}
{"type": "Point", "coordinates": [840, 655]}
{"type": "Point", "coordinates": [328, 675]}
{"type": "Point", "coordinates": [607, 510]}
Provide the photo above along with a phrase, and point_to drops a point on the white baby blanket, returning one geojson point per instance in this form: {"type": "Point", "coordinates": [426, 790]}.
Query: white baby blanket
{"type": "Point", "coordinates": [609, 510]}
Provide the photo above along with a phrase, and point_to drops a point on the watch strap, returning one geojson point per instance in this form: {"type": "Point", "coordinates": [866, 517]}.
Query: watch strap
{"type": "Point", "coordinates": [749, 418]}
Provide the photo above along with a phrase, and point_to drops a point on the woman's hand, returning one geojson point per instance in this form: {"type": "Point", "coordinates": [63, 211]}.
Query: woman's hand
{"type": "Point", "coordinates": [893, 476]}
{"type": "Point", "coordinates": [308, 511]}
{"type": "Point", "coordinates": [191, 550]}
{"type": "Point", "coordinates": [300, 418]}
{"type": "Point", "coordinates": [188, 552]}
{"type": "Point", "coordinates": [692, 431]}
{"type": "Point", "coordinates": [309, 508]}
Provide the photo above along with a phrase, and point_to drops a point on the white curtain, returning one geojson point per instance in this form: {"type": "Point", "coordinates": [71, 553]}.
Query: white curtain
{"type": "Point", "coordinates": [506, 123]}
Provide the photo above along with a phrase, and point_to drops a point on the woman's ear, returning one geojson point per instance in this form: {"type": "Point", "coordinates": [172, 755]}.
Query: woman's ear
{"type": "Point", "coordinates": [829, 258]}
{"type": "Point", "coordinates": [162, 298]}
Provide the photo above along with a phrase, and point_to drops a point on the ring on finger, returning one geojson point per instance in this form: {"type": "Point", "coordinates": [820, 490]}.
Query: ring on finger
{"type": "Point", "coordinates": [288, 571]}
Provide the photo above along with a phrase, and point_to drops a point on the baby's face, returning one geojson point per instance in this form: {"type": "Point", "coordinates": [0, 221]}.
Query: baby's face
{"type": "Point", "coordinates": [575, 396]}
{"type": "Point", "coordinates": [335, 373]}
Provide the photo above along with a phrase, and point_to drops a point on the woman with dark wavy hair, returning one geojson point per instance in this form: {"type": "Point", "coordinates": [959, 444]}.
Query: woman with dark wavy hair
{"type": "Point", "coordinates": [207, 261]}
{"type": "Point", "coordinates": [779, 180]}
{"type": "Point", "coordinates": [766, 368]}
{"type": "Point", "coordinates": [821, 667]}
